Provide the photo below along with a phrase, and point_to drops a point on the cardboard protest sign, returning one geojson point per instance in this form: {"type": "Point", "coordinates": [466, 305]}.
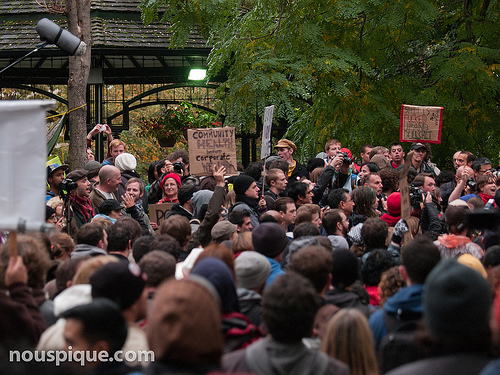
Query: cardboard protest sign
{"type": "Point", "coordinates": [158, 212]}
{"type": "Point", "coordinates": [23, 153]}
{"type": "Point", "coordinates": [265, 150]}
{"type": "Point", "coordinates": [212, 146]}
{"type": "Point", "coordinates": [420, 124]}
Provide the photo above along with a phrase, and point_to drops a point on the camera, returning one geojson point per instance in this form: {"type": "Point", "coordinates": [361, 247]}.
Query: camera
{"type": "Point", "coordinates": [102, 128]}
{"type": "Point", "coordinates": [416, 196]}
{"type": "Point", "coordinates": [347, 159]}
{"type": "Point", "coordinates": [67, 185]}
{"type": "Point", "coordinates": [178, 167]}
{"type": "Point", "coordinates": [495, 173]}
{"type": "Point", "coordinates": [471, 183]}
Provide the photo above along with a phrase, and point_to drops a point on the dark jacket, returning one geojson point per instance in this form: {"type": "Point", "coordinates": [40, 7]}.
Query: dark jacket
{"type": "Point", "coordinates": [455, 364]}
{"type": "Point", "coordinates": [250, 305]}
{"type": "Point", "coordinates": [298, 172]}
{"type": "Point", "coordinates": [177, 209]}
{"type": "Point", "coordinates": [343, 299]}
{"type": "Point", "coordinates": [22, 321]}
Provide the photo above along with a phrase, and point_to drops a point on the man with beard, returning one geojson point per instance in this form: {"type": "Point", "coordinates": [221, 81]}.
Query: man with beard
{"type": "Point", "coordinates": [132, 199]}
{"type": "Point", "coordinates": [336, 226]}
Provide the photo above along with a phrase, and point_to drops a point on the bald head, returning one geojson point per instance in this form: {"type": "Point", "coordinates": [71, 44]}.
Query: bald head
{"type": "Point", "coordinates": [109, 178]}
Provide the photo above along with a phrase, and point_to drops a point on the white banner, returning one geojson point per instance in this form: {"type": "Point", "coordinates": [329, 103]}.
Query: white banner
{"type": "Point", "coordinates": [23, 154]}
{"type": "Point", "coordinates": [265, 150]}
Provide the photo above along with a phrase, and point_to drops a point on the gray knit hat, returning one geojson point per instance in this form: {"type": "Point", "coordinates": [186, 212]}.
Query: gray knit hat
{"type": "Point", "coordinates": [457, 299]}
{"type": "Point", "coordinates": [252, 269]}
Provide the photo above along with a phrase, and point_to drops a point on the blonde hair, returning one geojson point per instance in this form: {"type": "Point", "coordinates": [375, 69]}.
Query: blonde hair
{"type": "Point", "coordinates": [242, 242]}
{"type": "Point", "coordinates": [349, 339]}
{"type": "Point", "coordinates": [88, 267]}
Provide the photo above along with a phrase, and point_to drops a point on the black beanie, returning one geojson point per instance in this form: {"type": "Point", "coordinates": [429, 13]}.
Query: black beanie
{"type": "Point", "coordinates": [345, 270]}
{"type": "Point", "coordinates": [457, 300]}
{"type": "Point", "coordinates": [242, 183]}
{"type": "Point", "coordinates": [269, 239]}
{"type": "Point", "coordinates": [185, 193]}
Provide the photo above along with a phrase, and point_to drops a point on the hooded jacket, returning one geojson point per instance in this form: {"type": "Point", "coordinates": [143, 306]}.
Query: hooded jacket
{"type": "Point", "coordinates": [82, 249]}
{"type": "Point", "coordinates": [406, 299]}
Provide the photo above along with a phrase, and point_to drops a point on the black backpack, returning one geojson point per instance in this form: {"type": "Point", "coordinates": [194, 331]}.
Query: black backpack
{"type": "Point", "coordinates": [398, 347]}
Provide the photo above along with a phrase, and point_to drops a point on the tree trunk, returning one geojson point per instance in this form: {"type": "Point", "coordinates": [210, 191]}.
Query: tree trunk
{"type": "Point", "coordinates": [78, 14]}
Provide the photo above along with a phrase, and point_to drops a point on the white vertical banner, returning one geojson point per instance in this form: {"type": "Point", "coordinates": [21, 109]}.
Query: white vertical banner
{"type": "Point", "coordinates": [265, 150]}
{"type": "Point", "coordinates": [23, 154]}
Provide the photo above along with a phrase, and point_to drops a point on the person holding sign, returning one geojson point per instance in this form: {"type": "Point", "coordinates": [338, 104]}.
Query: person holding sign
{"type": "Point", "coordinates": [247, 198]}
{"type": "Point", "coordinates": [170, 187]}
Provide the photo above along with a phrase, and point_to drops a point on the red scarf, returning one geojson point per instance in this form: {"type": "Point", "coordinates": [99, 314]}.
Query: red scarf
{"type": "Point", "coordinates": [82, 204]}
{"type": "Point", "coordinates": [168, 200]}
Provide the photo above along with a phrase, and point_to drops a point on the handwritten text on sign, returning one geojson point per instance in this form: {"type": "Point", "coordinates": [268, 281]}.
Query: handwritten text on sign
{"type": "Point", "coordinates": [212, 146]}
{"type": "Point", "coordinates": [420, 124]}
{"type": "Point", "coordinates": [158, 212]}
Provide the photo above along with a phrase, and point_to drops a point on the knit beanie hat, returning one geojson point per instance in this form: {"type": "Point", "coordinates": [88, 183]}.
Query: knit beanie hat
{"type": "Point", "coordinates": [185, 193]}
{"type": "Point", "coordinates": [221, 277]}
{"type": "Point", "coordinates": [345, 270]}
{"type": "Point", "coordinates": [252, 269]}
{"type": "Point", "coordinates": [269, 239]}
{"type": "Point", "coordinates": [126, 162]}
{"type": "Point", "coordinates": [394, 203]}
{"type": "Point", "coordinates": [121, 282]}
{"type": "Point", "coordinates": [457, 300]}
{"type": "Point", "coordinates": [242, 183]}
{"type": "Point", "coordinates": [49, 211]}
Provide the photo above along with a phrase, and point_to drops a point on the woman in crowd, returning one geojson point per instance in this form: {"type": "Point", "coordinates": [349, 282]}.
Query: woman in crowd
{"type": "Point", "coordinates": [365, 204]}
{"type": "Point", "coordinates": [486, 188]}
{"type": "Point", "coordinates": [349, 339]}
{"type": "Point", "coordinates": [170, 186]}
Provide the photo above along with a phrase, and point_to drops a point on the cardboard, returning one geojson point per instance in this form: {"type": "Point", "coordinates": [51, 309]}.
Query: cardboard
{"type": "Point", "coordinates": [265, 150]}
{"type": "Point", "coordinates": [212, 146]}
{"type": "Point", "coordinates": [158, 212]}
{"type": "Point", "coordinates": [420, 124]}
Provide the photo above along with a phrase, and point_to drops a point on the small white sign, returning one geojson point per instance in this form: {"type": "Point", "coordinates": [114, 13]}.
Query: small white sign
{"type": "Point", "coordinates": [265, 151]}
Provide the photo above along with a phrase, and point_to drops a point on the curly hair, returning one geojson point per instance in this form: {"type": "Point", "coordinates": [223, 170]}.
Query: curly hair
{"type": "Point", "coordinates": [390, 282]}
{"type": "Point", "coordinates": [378, 261]}
{"type": "Point", "coordinates": [390, 179]}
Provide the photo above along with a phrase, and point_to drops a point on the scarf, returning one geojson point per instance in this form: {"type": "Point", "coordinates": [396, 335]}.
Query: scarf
{"type": "Point", "coordinates": [139, 207]}
{"type": "Point", "coordinates": [168, 200]}
{"type": "Point", "coordinates": [252, 202]}
{"type": "Point", "coordinates": [82, 204]}
{"type": "Point", "coordinates": [291, 167]}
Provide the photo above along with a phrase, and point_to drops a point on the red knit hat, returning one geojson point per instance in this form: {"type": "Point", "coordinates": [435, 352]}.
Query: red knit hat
{"type": "Point", "coordinates": [175, 176]}
{"type": "Point", "coordinates": [394, 203]}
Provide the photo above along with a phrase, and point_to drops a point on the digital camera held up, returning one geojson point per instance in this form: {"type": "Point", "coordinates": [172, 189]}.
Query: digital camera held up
{"type": "Point", "coordinates": [347, 159]}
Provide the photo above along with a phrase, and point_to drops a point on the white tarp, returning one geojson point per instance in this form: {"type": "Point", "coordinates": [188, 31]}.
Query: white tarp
{"type": "Point", "coordinates": [23, 154]}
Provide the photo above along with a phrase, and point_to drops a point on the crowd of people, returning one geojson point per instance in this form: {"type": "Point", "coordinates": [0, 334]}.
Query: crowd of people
{"type": "Point", "coordinates": [283, 269]}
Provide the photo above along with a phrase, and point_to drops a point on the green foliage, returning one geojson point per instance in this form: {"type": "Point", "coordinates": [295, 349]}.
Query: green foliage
{"type": "Point", "coordinates": [342, 68]}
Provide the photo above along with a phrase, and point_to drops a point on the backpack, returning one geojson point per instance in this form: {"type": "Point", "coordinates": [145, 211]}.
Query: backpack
{"type": "Point", "coordinates": [399, 347]}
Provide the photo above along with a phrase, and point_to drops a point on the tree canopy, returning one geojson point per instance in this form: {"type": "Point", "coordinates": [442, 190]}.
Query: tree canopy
{"type": "Point", "coordinates": [342, 68]}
